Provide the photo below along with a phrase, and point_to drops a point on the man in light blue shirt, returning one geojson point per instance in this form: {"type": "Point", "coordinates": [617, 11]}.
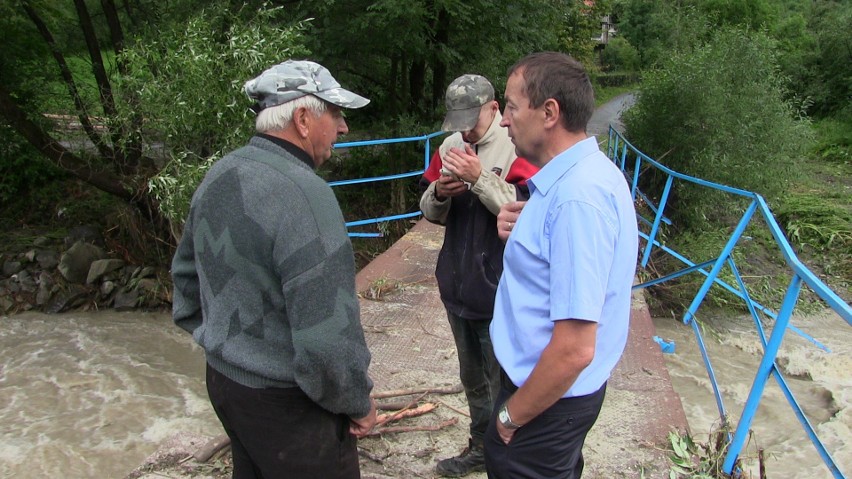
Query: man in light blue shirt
{"type": "Point", "coordinates": [562, 310]}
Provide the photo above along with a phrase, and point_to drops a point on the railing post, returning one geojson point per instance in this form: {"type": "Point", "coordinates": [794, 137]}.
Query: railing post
{"type": "Point", "coordinates": [767, 365]}
{"type": "Point", "coordinates": [720, 261]}
{"type": "Point", "coordinates": [657, 219]}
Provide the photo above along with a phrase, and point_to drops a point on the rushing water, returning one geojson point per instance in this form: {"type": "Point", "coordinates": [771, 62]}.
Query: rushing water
{"type": "Point", "coordinates": [93, 394]}
{"type": "Point", "coordinates": [820, 381]}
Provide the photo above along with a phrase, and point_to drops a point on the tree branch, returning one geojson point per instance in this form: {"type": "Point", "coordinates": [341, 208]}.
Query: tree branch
{"type": "Point", "coordinates": [57, 153]}
{"type": "Point", "coordinates": [82, 113]}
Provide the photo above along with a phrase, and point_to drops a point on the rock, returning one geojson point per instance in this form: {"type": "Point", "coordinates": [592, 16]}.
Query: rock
{"type": "Point", "coordinates": [75, 263]}
{"type": "Point", "coordinates": [11, 267]}
{"type": "Point", "coordinates": [125, 300]}
{"type": "Point", "coordinates": [27, 282]}
{"type": "Point", "coordinates": [47, 259]}
{"type": "Point", "coordinates": [45, 288]}
{"type": "Point", "coordinates": [6, 304]}
{"type": "Point", "coordinates": [101, 267]}
{"type": "Point", "coordinates": [66, 299]}
{"type": "Point", "coordinates": [107, 287]}
{"type": "Point", "coordinates": [85, 234]}
{"type": "Point", "coordinates": [30, 255]}
{"type": "Point", "coordinates": [41, 241]}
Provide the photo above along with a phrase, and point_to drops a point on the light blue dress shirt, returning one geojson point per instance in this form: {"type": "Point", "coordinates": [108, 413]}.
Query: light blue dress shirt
{"type": "Point", "coordinates": [571, 256]}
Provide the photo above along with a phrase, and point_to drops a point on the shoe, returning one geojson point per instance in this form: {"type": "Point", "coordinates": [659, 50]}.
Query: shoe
{"type": "Point", "coordinates": [472, 459]}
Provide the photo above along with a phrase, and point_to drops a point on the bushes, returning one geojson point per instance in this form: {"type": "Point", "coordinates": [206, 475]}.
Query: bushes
{"type": "Point", "coordinates": [718, 112]}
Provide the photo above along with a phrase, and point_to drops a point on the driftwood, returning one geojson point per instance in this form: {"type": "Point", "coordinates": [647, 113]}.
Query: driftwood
{"type": "Point", "coordinates": [211, 448]}
{"type": "Point", "coordinates": [392, 406]}
{"type": "Point", "coordinates": [405, 392]}
{"type": "Point", "coordinates": [418, 411]}
{"type": "Point", "coordinates": [463, 413]}
{"type": "Point", "coordinates": [394, 429]}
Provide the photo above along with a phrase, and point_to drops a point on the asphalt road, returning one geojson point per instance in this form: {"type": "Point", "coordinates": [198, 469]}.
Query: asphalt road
{"type": "Point", "coordinates": [610, 112]}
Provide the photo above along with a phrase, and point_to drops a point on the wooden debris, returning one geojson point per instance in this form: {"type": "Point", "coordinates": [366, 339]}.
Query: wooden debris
{"type": "Point", "coordinates": [405, 392]}
{"type": "Point", "coordinates": [392, 406]}
{"type": "Point", "coordinates": [211, 448]}
{"type": "Point", "coordinates": [418, 411]}
{"type": "Point", "coordinates": [463, 413]}
{"type": "Point", "coordinates": [395, 429]}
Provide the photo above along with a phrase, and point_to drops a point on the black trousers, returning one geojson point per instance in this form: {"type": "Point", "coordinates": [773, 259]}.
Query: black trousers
{"type": "Point", "coordinates": [549, 446]}
{"type": "Point", "coordinates": [280, 433]}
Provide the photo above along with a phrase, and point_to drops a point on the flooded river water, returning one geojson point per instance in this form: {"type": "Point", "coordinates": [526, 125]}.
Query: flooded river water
{"type": "Point", "coordinates": [820, 381]}
{"type": "Point", "coordinates": [92, 394]}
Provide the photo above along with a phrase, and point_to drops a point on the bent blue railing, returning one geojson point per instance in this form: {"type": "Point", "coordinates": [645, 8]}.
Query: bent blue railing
{"type": "Point", "coordinates": [622, 152]}
{"type": "Point", "coordinates": [354, 144]}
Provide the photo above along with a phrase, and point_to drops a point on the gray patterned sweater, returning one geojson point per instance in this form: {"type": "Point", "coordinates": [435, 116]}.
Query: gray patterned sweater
{"type": "Point", "coordinates": [264, 278]}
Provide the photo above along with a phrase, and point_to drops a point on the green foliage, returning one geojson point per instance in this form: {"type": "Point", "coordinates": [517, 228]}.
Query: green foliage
{"type": "Point", "coordinates": [815, 221]}
{"type": "Point", "coordinates": [834, 142]}
{"type": "Point", "coordinates": [718, 113]}
{"type": "Point", "coordinates": [818, 58]}
{"type": "Point", "coordinates": [402, 55]}
{"type": "Point", "coordinates": [189, 80]}
{"type": "Point", "coordinates": [658, 28]}
{"type": "Point", "coordinates": [22, 168]}
{"type": "Point", "coordinates": [620, 55]}
{"type": "Point", "coordinates": [189, 85]}
{"type": "Point", "coordinates": [697, 460]}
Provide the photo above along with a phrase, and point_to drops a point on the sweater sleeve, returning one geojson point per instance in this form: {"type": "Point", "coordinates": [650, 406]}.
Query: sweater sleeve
{"type": "Point", "coordinates": [186, 302]}
{"type": "Point", "coordinates": [494, 192]}
{"type": "Point", "coordinates": [331, 359]}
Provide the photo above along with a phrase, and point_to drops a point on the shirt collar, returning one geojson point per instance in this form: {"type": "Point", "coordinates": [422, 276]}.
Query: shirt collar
{"type": "Point", "coordinates": [556, 168]}
{"type": "Point", "coordinates": [291, 148]}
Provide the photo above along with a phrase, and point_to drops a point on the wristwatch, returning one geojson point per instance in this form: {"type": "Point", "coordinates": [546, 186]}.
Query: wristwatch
{"type": "Point", "coordinates": [505, 419]}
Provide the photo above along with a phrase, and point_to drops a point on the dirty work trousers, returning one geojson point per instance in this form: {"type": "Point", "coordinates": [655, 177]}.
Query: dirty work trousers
{"type": "Point", "coordinates": [478, 368]}
{"type": "Point", "coordinates": [550, 446]}
{"type": "Point", "coordinates": [280, 432]}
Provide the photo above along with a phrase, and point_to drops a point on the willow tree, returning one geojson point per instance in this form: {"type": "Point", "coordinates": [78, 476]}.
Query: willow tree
{"type": "Point", "coordinates": [113, 95]}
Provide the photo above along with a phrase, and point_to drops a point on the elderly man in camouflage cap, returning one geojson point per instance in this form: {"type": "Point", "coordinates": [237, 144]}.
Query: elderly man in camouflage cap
{"type": "Point", "coordinates": [473, 173]}
{"type": "Point", "coordinates": [264, 279]}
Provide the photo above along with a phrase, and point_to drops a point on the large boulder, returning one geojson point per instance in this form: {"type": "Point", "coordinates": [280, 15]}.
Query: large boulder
{"type": "Point", "coordinates": [76, 262]}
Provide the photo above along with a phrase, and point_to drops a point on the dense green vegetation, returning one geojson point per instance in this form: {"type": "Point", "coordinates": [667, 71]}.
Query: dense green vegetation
{"type": "Point", "coordinates": [110, 112]}
{"type": "Point", "coordinates": [756, 95]}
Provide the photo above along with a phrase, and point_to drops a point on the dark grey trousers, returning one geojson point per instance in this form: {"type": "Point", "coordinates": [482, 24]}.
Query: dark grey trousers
{"type": "Point", "coordinates": [479, 370]}
{"type": "Point", "coordinates": [280, 432]}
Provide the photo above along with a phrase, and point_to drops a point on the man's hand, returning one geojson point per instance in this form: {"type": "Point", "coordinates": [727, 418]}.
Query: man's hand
{"type": "Point", "coordinates": [464, 163]}
{"type": "Point", "coordinates": [505, 433]}
{"type": "Point", "coordinates": [507, 218]}
{"type": "Point", "coordinates": [447, 186]}
{"type": "Point", "coordinates": [360, 427]}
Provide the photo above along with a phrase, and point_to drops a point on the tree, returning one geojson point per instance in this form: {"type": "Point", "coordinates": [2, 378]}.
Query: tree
{"type": "Point", "coordinates": [139, 82]}
{"type": "Point", "coordinates": [719, 113]}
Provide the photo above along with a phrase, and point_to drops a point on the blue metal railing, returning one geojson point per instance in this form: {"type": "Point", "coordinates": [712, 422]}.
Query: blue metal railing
{"type": "Point", "coordinates": [621, 151]}
{"type": "Point", "coordinates": [354, 144]}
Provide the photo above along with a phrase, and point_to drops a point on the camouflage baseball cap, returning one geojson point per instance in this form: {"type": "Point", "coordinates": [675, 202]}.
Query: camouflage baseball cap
{"type": "Point", "coordinates": [465, 96]}
{"type": "Point", "coordinates": [294, 79]}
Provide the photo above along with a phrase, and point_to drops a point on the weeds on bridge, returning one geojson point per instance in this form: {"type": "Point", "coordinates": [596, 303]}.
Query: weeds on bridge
{"type": "Point", "coordinates": [692, 459]}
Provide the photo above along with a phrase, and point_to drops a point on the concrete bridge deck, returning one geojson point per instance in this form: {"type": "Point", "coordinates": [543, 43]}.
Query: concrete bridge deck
{"type": "Point", "coordinates": [412, 346]}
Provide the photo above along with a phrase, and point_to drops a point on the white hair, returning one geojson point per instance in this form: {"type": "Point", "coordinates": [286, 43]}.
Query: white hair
{"type": "Point", "coordinates": [278, 117]}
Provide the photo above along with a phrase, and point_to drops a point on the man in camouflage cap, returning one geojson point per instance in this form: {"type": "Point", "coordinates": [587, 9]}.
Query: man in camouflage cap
{"type": "Point", "coordinates": [473, 173]}
{"type": "Point", "coordinates": [264, 279]}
